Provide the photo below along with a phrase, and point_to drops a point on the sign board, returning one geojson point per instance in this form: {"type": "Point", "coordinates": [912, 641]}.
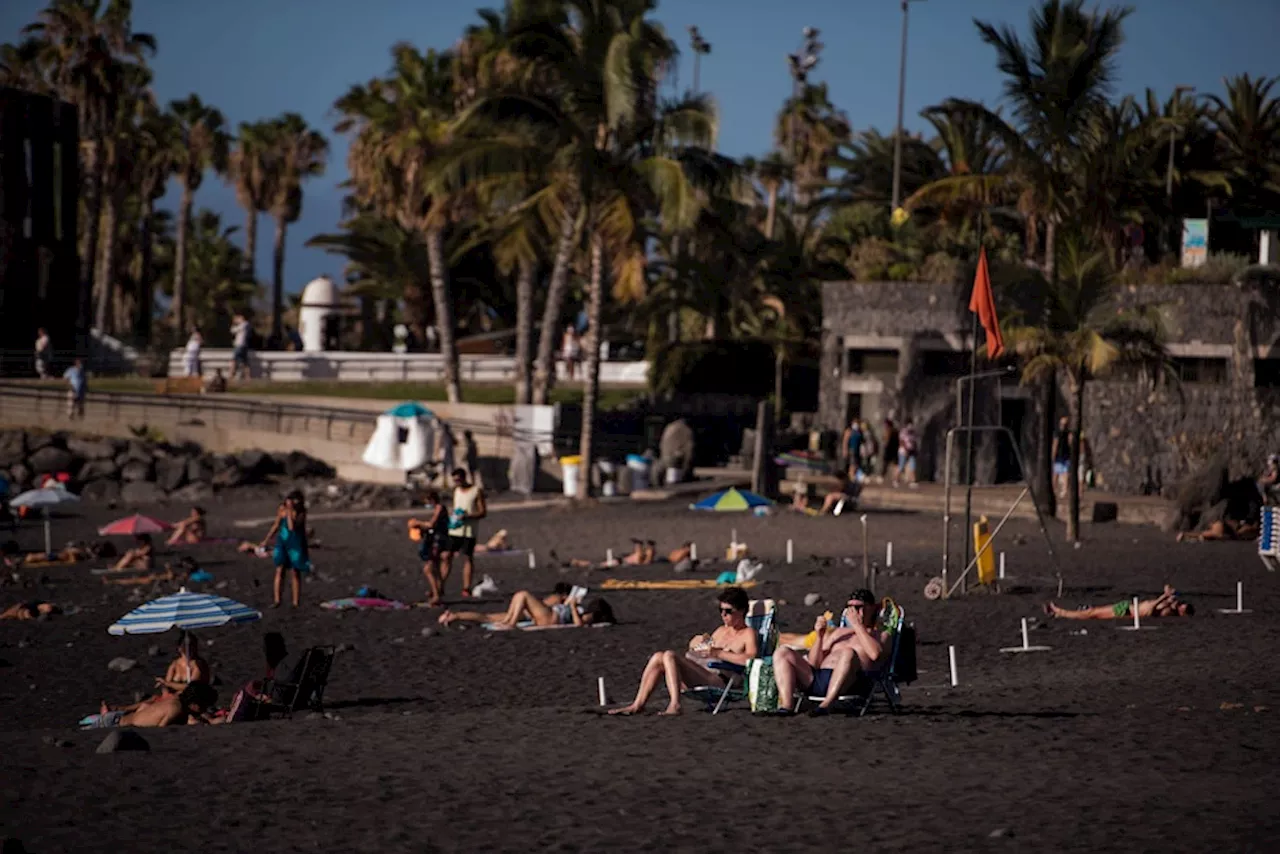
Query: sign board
{"type": "Point", "coordinates": [1195, 242]}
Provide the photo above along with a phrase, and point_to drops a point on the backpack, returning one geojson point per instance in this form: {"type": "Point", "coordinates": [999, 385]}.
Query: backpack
{"type": "Point", "coordinates": [904, 668]}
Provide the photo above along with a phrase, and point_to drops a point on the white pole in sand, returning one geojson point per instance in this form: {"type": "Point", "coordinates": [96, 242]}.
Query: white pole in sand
{"type": "Point", "coordinates": [1026, 643]}
{"type": "Point", "coordinates": [693, 551]}
{"type": "Point", "coordinates": [888, 554]}
{"type": "Point", "coordinates": [790, 552]}
{"type": "Point", "coordinates": [608, 556]}
{"type": "Point", "coordinates": [951, 653]}
{"type": "Point", "coordinates": [734, 541]}
{"type": "Point", "coordinates": [1239, 608]}
{"type": "Point", "coordinates": [1136, 623]}
{"type": "Point", "coordinates": [600, 686]}
{"type": "Point", "coordinates": [533, 562]}
{"type": "Point", "coordinates": [1002, 566]}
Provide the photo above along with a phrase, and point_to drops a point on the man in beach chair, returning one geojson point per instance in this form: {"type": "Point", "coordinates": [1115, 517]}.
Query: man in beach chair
{"type": "Point", "coordinates": [836, 657]}
{"type": "Point", "coordinates": [734, 643]}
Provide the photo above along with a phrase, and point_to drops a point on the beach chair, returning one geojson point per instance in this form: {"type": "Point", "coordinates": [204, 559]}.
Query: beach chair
{"type": "Point", "coordinates": [304, 689]}
{"type": "Point", "coordinates": [761, 616]}
{"type": "Point", "coordinates": [898, 667]}
{"type": "Point", "coordinates": [1269, 538]}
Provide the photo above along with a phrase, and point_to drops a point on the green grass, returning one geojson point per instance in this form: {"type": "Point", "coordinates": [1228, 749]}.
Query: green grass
{"type": "Point", "coordinates": [610, 398]}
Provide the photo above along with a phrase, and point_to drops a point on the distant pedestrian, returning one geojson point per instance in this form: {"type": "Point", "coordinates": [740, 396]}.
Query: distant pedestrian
{"type": "Point", "coordinates": [78, 386]}
{"type": "Point", "coordinates": [907, 445]}
{"type": "Point", "coordinates": [571, 351]}
{"type": "Point", "coordinates": [240, 353]}
{"type": "Point", "coordinates": [853, 441]}
{"type": "Point", "coordinates": [44, 353]}
{"type": "Point", "coordinates": [191, 355]}
{"type": "Point", "coordinates": [888, 449]}
{"type": "Point", "coordinates": [470, 454]}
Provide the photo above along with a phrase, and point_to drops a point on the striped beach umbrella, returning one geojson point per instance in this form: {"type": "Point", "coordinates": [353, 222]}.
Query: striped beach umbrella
{"type": "Point", "coordinates": [731, 500]}
{"type": "Point", "coordinates": [133, 525]}
{"type": "Point", "coordinates": [42, 499]}
{"type": "Point", "coordinates": [183, 610]}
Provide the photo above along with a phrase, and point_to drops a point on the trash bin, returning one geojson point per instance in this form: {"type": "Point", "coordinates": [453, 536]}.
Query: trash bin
{"type": "Point", "coordinates": [570, 468]}
{"type": "Point", "coordinates": [638, 465]}
{"type": "Point", "coordinates": [608, 477]}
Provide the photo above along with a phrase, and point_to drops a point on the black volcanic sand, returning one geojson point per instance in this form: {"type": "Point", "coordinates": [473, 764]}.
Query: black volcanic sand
{"type": "Point", "coordinates": [468, 740]}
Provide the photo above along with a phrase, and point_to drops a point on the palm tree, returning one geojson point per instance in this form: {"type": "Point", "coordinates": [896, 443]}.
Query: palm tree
{"type": "Point", "coordinates": [1247, 122]}
{"type": "Point", "coordinates": [400, 124]}
{"type": "Point", "coordinates": [200, 143]}
{"type": "Point", "coordinates": [809, 129]}
{"type": "Point", "coordinates": [1082, 336]}
{"type": "Point", "coordinates": [153, 164]}
{"type": "Point", "coordinates": [215, 277]}
{"type": "Point", "coordinates": [247, 166]}
{"type": "Point", "coordinates": [294, 152]}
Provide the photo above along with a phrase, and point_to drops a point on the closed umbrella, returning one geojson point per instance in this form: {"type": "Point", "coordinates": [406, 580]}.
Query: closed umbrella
{"type": "Point", "coordinates": [43, 499]}
{"type": "Point", "coordinates": [133, 525]}
{"type": "Point", "coordinates": [183, 610]}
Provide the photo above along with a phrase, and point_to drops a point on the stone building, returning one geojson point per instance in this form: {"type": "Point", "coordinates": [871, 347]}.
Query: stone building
{"type": "Point", "coordinates": [897, 349]}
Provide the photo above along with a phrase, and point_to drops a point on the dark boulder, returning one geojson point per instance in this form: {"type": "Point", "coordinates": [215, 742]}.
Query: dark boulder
{"type": "Point", "coordinates": [20, 474]}
{"type": "Point", "coordinates": [192, 493]}
{"type": "Point", "coordinates": [256, 466]}
{"type": "Point", "coordinates": [50, 460]}
{"type": "Point", "coordinates": [13, 447]}
{"type": "Point", "coordinates": [101, 491]}
{"type": "Point", "coordinates": [95, 469]}
{"type": "Point", "coordinates": [134, 470]}
{"type": "Point", "coordinates": [171, 473]}
{"type": "Point", "coordinates": [298, 464]}
{"type": "Point", "coordinates": [199, 470]}
{"type": "Point", "coordinates": [36, 441]}
{"type": "Point", "coordinates": [141, 492]}
{"type": "Point", "coordinates": [91, 449]}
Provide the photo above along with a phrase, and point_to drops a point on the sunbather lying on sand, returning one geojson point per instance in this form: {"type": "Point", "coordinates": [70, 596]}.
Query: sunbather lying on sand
{"type": "Point", "coordinates": [190, 706]}
{"type": "Point", "coordinates": [1222, 529]}
{"type": "Point", "coordinates": [190, 529]}
{"type": "Point", "coordinates": [141, 556]}
{"type": "Point", "coordinates": [1167, 604]}
{"type": "Point", "coordinates": [734, 641]}
{"type": "Point", "coordinates": [30, 610]}
{"type": "Point", "coordinates": [557, 609]}
{"type": "Point", "coordinates": [499, 542]}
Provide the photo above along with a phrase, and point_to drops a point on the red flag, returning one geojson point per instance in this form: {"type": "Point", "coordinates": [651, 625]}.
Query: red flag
{"type": "Point", "coordinates": [983, 304]}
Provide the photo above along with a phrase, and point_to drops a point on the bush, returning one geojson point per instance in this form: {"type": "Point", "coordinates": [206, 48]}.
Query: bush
{"type": "Point", "coordinates": [1219, 268]}
{"type": "Point", "coordinates": [713, 367]}
{"type": "Point", "coordinates": [871, 259]}
{"type": "Point", "coordinates": [940, 268]}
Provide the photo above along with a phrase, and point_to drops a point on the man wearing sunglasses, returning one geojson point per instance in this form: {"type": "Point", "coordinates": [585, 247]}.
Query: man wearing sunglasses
{"type": "Point", "coordinates": [836, 657]}
{"type": "Point", "coordinates": [733, 641]}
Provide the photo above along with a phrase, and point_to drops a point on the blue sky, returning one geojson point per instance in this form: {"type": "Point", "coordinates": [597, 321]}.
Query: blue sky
{"type": "Point", "coordinates": [257, 58]}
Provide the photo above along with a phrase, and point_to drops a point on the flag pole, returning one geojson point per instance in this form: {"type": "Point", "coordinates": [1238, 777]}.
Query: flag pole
{"type": "Point", "coordinates": [968, 418]}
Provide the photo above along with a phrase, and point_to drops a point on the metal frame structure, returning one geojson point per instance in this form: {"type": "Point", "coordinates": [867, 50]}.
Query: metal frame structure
{"type": "Point", "coordinates": [946, 510]}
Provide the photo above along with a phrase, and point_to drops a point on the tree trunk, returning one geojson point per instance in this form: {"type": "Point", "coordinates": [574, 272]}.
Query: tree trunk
{"type": "Point", "coordinates": [778, 357]}
{"type": "Point", "coordinates": [112, 199]}
{"type": "Point", "coordinates": [524, 330]}
{"type": "Point", "coordinates": [180, 259]}
{"type": "Point", "coordinates": [277, 282]}
{"type": "Point", "coordinates": [444, 312]}
{"type": "Point", "coordinates": [1042, 473]}
{"type": "Point", "coordinates": [146, 294]}
{"type": "Point", "coordinates": [591, 371]}
{"type": "Point", "coordinates": [418, 313]}
{"type": "Point", "coordinates": [251, 243]}
{"type": "Point", "coordinates": [1075, 409]}
{"type": "Point", "coordinates": [92, 221]}
{"type": "Point", "coordinates": [545, 365]}
{"type": "Point", "coordinates": [1050, 248]}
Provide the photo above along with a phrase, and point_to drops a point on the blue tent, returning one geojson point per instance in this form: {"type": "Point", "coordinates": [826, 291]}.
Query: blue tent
{"type": "Point", "coordinates": [410, 409]}
{"type": "Point", "coordinates": [731, 500]}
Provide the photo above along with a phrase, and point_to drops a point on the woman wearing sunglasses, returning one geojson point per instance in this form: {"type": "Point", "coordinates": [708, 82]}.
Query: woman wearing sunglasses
{"type": "Point", "coordinates": [734, 641]}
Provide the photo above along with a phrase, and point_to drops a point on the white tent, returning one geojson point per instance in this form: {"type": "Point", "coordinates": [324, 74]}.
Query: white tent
{"type": "Point", "coordinates": [403, 439]}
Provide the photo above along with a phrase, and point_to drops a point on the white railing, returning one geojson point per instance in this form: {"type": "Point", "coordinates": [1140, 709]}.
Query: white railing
{"type": "Point", "coordinates": [387, 367]}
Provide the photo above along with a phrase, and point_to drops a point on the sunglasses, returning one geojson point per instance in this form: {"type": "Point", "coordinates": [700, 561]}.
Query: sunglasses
{"type": "Point", "coordinates": [858, 606]}
{"type": "Point", "coordinates": [726, 610]}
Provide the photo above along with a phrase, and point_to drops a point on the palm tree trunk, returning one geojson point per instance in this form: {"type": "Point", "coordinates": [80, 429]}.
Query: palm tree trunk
{"type": "Point", "coordinates": [673, 316]}
{"type": "Point", "coordinates": [180, 258]}
{"type": "Point", "coordinates": [277, 282]}
{"type": "Point", "coordinates": [772, 210]}
{"type": "Point", "coordinates": [591, 372]}
{"type": "Point", "coordinates": [1050, 247]}
{"type": "Point", "coordinates": [145, 296]}
{"type": "Point", "coordinates": [544, 367]}
{"type": "Point", "coordinates": [417, 310]}
{"type": "Point", "coordinates": [1042, 470]}
{"type": "Point", "coordinates": [1075, 409]}
{"type": "Point", "coordinates": [92, 223]}
{"type": "Point", "coordinates": [251, 243]}
{"type": "Point", "coordinates": [524, 330]}
{"type": "Point", "coordinates": [444, 313]}
{"type": "Point", "coordinates": [112, 202]}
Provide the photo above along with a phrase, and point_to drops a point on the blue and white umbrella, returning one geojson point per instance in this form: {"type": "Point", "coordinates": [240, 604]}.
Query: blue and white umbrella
{"type": "Point", "coordinates": [43, 499]}
{"type": "Point", "coordinates": [183, 610]}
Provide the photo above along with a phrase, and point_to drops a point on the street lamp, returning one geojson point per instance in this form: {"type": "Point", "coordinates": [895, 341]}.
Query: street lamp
{"type": "Point", "coordinates": [800, 63]}
{"type": "Point", "coordinates": [902, 93]}
{"type": "Point", "coordinates": [700, 46]}
{"type": "Point", "coordinates": [1173, 140]}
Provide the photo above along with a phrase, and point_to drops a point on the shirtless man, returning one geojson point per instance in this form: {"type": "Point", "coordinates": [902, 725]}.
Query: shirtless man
{"type": "Point", "coordinates": [1167, 604]}
{"type": "Point", "coordinates": [168, 710]}
{"type": "Point", "coordinates": [189, 530]}
{"type": "Point", "coordinates": [835, 657]}
{"type": "Point", "coordinates": [141, 556]}
{"type": "Point", "coordinates": [734, 642]}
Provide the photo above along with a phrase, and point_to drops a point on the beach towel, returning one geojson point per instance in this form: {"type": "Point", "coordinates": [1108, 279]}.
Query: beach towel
{"type": "Point", "coordinates": [672, 584]}
{"type": "Point", "coordinates": [529, 626]}
{"type": "Point", "coordinates": [364, 604]}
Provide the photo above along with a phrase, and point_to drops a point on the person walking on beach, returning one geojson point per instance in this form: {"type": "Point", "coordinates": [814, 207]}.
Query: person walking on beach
{"type": "Point", "coordinates": [1062, 456]}
{"type": "Point", "coordinates": [570, 351]}
{"type": "Point", "coordinates": [240, 345]}
{"type": "Point", "coordinates": [44, 353]}
{"type": "Point", "coordinates": [889, 450]}
{"type": "Point", "coordinates": [191, 355]}
{"type": "Point", "coordinates": [853, 441]}
{"type": "Point", "coordinates": [78, 387]}
{"type": "Point", "coordinates": [433, 537]}
{"type": "Point", "coordinates": [468, 509]}
{"type": "Point", "coordinates": [290, 531]}
{"type": "Point", "coordinates": [907, 444]}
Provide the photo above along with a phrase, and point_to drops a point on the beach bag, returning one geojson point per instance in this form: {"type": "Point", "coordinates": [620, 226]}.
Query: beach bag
{"type": "Point", "coordinates": [904, 669]}
{"type": "Point", "coordinates": [762, 688]}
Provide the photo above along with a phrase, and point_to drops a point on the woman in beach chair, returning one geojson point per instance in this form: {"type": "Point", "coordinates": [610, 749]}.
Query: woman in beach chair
{"type": "Point", "coordinates": [557, 609]}
{"type": "Point", "coordinates": [141, 556]}
{"type": "Point", "coordinates": [734, 641]}
{"type": "Point", "coordinates": [1167, 604]}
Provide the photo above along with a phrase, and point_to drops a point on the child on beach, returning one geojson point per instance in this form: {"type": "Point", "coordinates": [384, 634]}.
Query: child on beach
{"type": "Point", "coordinates": [290, 531]}
{"type": "Point", "coordinates": [431, 534]}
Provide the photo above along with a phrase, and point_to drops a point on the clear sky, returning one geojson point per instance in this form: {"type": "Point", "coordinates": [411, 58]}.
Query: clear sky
{"type": "Point", "coordinates": [257, 58]}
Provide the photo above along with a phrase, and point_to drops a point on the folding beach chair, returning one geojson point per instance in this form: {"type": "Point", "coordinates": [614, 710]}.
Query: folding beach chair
{"type": "Point", "coordinates": [761, 616]}
{"type": "Point", "coordinates": [304, 689]}
{"type": "Point", "coordinates": [1269, 538]}
{"type": "Point", "coordinates": [899, 667]}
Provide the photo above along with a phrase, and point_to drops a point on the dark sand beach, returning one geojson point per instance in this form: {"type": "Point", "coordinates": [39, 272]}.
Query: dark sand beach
{"type": "Point", "coordinates": [1164, 740]}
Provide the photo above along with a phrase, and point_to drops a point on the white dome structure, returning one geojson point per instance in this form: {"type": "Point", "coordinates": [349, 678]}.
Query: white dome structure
{"type": "Point", "coordinates": [319, 302]}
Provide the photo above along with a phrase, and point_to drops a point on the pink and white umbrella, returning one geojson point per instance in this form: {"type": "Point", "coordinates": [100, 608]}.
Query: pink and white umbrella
{"type": "Point", "coordinates": [133, 525]}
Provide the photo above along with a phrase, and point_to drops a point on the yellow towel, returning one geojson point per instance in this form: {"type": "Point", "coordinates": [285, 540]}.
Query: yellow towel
{"type": "Point", "coordinates": [673, 584]}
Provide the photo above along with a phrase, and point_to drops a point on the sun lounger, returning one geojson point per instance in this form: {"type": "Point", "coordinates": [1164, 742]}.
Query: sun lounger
{"type": "Point", "coordinates": [761, 616]}
{"type": "Point", "coordinates": [304, 689]}
{"type": "Point", "coordinates": [1269, 538]}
